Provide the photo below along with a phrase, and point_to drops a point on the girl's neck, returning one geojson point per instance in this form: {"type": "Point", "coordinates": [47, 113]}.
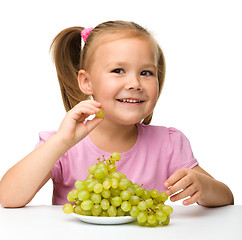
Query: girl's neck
{"type": "Point", "coordinates": [114, 138]}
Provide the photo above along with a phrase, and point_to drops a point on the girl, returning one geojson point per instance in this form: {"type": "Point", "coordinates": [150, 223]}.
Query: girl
{"type": "Point", "coordinates": [120, 69]}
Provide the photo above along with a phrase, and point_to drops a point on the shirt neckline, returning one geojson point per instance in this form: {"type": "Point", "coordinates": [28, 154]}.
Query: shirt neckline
{"type": "Point", "coordinates": [100, 152]}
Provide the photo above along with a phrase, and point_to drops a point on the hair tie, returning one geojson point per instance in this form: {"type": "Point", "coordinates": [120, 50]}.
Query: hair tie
{"type": "Point", "coordinates": [85, 33]}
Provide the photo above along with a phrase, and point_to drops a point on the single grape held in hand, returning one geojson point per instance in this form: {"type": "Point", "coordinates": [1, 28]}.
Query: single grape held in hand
{"type": "Point", "coordinates": [106, 192]}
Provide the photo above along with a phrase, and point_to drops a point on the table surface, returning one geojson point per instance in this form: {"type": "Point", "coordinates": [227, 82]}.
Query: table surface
{"type": "Point", "coordinates": [187, 222]}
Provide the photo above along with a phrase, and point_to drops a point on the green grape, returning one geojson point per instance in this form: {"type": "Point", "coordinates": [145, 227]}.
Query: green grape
{"type": "Point", "coordinates": [96, 210]}
{"type": "Point", "coordinates": [114, 182]}
{"type": "Point", "coordinates": [139, 191]}
{"type": "Point", "coordinates": [123, 184]}
{"type": "Point", "coordinates": [167, 210]}
{"type": "Point", "coordinates": [92, 168]}
{"type": "Point", "coordinates": [131, 190]}
{"type": "Point", "coordinates": [107, 184]}
{"type": "Point", "coordinates": [149, 202]}
{"type": "Point", "coordinates": [116, 201]}
{"type": "Point", "coordinates": [111, 168]}
{"type": "Point", "coordinates": [154, 193]}
{"type": "Point", "coordinates": [115, 192]}
{"type": "Point", "coordinates": [146, 194]}
{"type": "Point", "coordinates": [80, 185]}
{"type": "Point", "coordinates": [101, 165]}
{"type": "Point", "coordinates": [67, 208]}
{"type": "Point", "coordinates": [160, 216]}
{"type": "Point", "coordinates": [87, 212]}
{"type": "Point", "coordinates": [91, 185]}
{"type": "Point", "coordinates": [166, 222]}
{"type": "Point", "coordinates": [142, 217]}
{"type": "Point", "coordinates": [142, 206]}
{"type": "Point", "coordinates": [100, 173]}
{"type": "Point", "coordinates": [134, 212]}
{"type": "Point", "coordinates": [83, 195]}
{"type": "Point", "coordinates": [104, 213]}
{"type": "Point", "coordinates": [96, 198]}
{"type": "Point", "coordinates": [134, 200]}
{"type": "Point", "coordinates": [72, 195]}
{"type": "Point", "coordinates": [115, 156]}
{"type": "Point", "coordinates": [78, 209]}
{"type": "Point", "coordinates": [106, 193]}
{"type": "Point", "coordinates": [120, 212]}
{"type": "Point", "coordinates": [105, 204]}
{"type": "Point", "coordinates": [101, 114]}
{"type": "Point", "coordinates": [98, 188]}
{"type": "Point", "coordinates": [152, 220]}
{"type": "Point", "coordinates": [163, 196]}
{"type": "Point", "coordinates": [125, 195]}
{"type": "Point", "coordinates": [126, 206]}
{"type": "Point", "coordinates": [116, 175]}
{"type": "Point", "coordinates": [87, 205]}
{"type": "Point", "coordinates": [112, 211]}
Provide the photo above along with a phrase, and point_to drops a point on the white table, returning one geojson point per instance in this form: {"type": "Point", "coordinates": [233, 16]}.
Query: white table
{"type": "Point", "coordinates": [190, 222]}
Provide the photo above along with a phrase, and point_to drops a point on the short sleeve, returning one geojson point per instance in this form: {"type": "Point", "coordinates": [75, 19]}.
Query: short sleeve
{"type": "Point", "coordinates": [57, 169]}
{"type": "Point", "coordinates": [181, 155]}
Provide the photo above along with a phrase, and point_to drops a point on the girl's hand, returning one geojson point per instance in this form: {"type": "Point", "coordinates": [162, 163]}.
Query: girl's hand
{"type": "Point", "coordinates": [73, 129]}
{"type": "Point", "coordinates": [187, 182]}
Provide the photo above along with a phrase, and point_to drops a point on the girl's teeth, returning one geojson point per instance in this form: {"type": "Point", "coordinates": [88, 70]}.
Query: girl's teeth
{"type": "Point", "coordinates": [130, 101]}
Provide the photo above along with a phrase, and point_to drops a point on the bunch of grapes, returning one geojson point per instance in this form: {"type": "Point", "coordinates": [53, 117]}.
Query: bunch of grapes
{"type": "Point", "coordinates": [106, 192]}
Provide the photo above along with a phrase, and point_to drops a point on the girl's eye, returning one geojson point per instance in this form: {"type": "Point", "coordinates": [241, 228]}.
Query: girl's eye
{"type": "Point", "coordinates": [118, 70]}
{"type": "Point", "coordinates": [146, 73]}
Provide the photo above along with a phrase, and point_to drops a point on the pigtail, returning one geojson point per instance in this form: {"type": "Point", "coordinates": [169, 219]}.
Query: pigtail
{"type": "Point", "coordinates": [66, 50]}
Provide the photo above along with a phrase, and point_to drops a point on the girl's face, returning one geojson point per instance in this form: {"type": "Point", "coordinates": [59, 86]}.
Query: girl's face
{"type": "Point", "coordinates": [123, 78]}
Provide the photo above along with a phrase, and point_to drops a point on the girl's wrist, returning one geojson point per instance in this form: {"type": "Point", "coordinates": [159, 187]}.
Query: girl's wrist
{"type": "Point", "coordinates": [61, 143]}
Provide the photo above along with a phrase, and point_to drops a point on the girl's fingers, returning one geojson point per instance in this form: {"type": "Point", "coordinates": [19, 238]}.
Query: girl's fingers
{"type": "Point", "coordinates": [189, 191]}
{"type": "Point", "coordinates": [193, 199]}
{"type": "Point", "coordinates": [177, 181]}
{"type": "Point", "coordinates": [90, 125]}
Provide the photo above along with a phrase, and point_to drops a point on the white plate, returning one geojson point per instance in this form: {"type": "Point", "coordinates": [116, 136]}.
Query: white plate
{"type": "Point", "coordinates": [104, 220]}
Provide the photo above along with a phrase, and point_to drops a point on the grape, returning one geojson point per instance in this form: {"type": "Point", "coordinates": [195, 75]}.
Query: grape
{"type": "Point", "coordinates": [101, 114]}
{"type": "Point", "coordinates": [134, 212]}
{"type": "Point", "coordinates": [142, 217]}
{"type": "Point", "coordinates": [96, 198]}
{"type": "Point", "coordinates": [116, 201]}
{"type": "Point", "coordinates": [107, 184]}
{"type": "Point", "coordinates": [167, 210]}
{"type": "Point", "coordinates": [67, 208]}
{"type": "Point", "coordinates": [151, 219]}
{"type": "Point", "coordinates": [106, 192]}
{"type": "Point", "coordinates": [87, 205]}
{"type": "Point", "coordinates": [115, 156]}
{"type": "Point", "coordinates": [98, 188]}
{"type": "Point", "coordinates": [126, 206]}
{"type": "Point", "coordinates": [80, 185]}
{"type": "Point", "coordinates": [105, 204]}
{"type": "Point", "coordinates": [96, 210]}
{"type": "Point", "coordinates": [83, 195]}
{"type": "Point", "coordinates": [112, 211]}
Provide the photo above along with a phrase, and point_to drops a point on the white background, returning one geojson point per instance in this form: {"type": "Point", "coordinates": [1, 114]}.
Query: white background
{"type": "Point", "coordinates": [202, 43]}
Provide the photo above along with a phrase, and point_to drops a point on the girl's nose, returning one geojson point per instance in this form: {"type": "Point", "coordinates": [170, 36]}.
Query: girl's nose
{"type": "Point", "coordinates": [133, 83]}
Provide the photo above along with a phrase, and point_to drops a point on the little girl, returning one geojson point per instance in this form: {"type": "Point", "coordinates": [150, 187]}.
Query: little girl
{"type": "Point", "coordinates": [121, 69]}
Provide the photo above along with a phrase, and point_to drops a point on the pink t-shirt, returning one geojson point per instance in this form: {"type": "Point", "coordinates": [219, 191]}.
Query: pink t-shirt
{"type": "Point", "coordinates": [157, 153]}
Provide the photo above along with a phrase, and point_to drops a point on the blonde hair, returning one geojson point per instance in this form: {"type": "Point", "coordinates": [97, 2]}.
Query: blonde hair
{"type": "Point", "coordinates": [70, 57]}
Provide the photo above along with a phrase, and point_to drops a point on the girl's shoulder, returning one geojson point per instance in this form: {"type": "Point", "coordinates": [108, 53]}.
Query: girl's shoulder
{"type": "Point", "coordinates": [170, 135]}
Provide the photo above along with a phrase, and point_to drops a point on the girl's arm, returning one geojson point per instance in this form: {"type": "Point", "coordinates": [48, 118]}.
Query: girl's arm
{"type": "Point", "coordinates": [21, 182]}
{"type": "Point", "coordinates": [200, 186]}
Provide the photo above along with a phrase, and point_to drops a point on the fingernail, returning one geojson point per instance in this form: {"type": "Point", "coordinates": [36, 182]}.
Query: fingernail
{"type": "Point", "coordinates": [168, 193]}
{"type": "Point", "coordinates": [166, 184]}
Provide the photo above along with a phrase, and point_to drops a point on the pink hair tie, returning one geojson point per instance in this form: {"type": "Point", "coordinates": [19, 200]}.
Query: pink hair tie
{"type": "Point", "coordinates": [85, 33]}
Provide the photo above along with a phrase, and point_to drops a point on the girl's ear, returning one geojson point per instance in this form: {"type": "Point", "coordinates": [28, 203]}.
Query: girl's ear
{"type": "Point", "coordinates": [84, 82]}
